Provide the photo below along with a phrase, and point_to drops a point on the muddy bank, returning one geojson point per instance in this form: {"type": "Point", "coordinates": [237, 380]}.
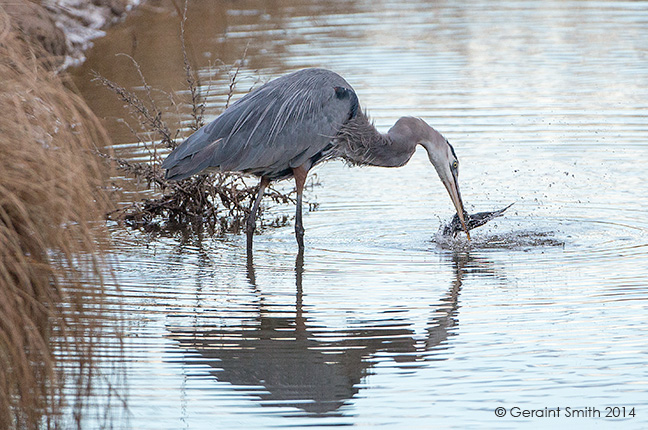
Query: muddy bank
{"type": "Point", "coordinates": [64, 28]}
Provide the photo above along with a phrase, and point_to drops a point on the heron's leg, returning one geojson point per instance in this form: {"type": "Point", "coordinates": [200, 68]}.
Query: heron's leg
{"type": "Point", "coordinates": [300, 178]}
{"type": "Point", "coordinates": [251, 221]}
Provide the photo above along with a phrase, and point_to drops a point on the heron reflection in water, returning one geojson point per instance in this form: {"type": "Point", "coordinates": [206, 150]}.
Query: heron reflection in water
{"type": "Point", "coordinates": [285, 127]}
{"type": "Point", "coordinates": [300, 363]}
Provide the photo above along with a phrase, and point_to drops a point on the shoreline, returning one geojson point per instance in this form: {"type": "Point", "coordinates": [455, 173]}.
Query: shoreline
{"type": "Point", "coordinates": [65, 28]}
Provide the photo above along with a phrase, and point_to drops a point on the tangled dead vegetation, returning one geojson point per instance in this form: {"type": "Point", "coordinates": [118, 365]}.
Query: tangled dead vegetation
{"type": "Point", "coordinates": [51, 254]}
{"type": "Point", "coordinates": [216, 202]}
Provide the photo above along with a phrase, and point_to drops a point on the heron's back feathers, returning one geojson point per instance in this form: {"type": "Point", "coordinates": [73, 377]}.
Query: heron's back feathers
{"type": "Point", "coordinates": [281, 125]}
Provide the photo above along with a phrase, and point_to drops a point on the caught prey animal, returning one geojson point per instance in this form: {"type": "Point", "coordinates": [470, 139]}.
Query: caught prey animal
{"type": "Point", "coordinates": [285, 127]}
{"type": "Point", "coordinates": [471, 221]}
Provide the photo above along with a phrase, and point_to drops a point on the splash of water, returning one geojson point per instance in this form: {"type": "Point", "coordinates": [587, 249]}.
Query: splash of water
{"type": "Point", "coordinates": [521, 239]}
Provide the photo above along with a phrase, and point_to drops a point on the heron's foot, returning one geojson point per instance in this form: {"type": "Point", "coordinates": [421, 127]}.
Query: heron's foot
{"type": "Point", "coordinates": [250, 226]}
{"type": "Point", "coordinates": [299, 235]}
{"type": "Point", "coordinates": [250, 240]}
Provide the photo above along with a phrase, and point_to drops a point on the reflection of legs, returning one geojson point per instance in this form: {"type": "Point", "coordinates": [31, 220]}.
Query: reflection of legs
{"type": "Point", "coordinates": [251, 221]}
{"type": "Point", "coordinates": [300, 320]}
{"type": "Point", "coordinates": [300, 178]}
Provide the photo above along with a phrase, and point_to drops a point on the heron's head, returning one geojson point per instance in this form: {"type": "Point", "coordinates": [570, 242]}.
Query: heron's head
{"type": "Point", "coordinates": [444, 159]}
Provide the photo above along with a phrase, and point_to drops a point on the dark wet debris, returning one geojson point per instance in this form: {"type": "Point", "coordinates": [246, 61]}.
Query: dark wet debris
{"type": "Point", "coordinates": [472, 221]}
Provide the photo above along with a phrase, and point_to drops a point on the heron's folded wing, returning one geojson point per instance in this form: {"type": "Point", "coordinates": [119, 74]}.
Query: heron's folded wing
{"type": "Point", "coordinates": [276, 127]}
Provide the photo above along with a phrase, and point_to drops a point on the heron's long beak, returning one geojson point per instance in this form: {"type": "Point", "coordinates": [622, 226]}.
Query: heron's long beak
{"type": "Point", "coordinates": [452, 185]}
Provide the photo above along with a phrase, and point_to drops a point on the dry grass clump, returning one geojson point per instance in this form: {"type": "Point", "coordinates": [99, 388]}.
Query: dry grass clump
{"type": "Point", "coordinates": [218, 202]}
{"type": "Point", "coordinates": [50, 262]}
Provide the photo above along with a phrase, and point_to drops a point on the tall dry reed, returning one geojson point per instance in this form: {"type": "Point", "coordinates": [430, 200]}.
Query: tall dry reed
{"type": "Point", "coordinates": [50, 259]}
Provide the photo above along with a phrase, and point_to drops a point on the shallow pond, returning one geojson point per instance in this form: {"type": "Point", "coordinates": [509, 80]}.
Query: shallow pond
{"type": "Point", "coordinates": [382, 322]}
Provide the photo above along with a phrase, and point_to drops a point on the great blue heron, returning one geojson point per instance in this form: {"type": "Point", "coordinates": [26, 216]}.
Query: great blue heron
{"type": "Point", "coordinates": [285, 127]}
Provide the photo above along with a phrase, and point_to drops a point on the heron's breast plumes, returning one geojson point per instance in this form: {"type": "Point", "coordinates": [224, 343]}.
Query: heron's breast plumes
{"type": "Point", "coordinates": [358, 141]}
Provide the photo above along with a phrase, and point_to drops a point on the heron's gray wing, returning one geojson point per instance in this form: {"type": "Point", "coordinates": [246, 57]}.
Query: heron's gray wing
{"type": "Point", "coordinates": [279, 126]}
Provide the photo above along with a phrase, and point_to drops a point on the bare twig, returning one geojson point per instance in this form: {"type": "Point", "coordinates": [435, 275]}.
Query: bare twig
{"type": "Point", "coordinates": [233, 76]}
{"type": "Point", "coordinates": [197, 102]}
{"type": "Point", "coordinates": [151, 119]}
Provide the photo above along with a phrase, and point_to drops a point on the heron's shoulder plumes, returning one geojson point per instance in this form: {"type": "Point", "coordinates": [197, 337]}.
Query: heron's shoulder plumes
{"type": "Point", "coordinates": [359, 143]}
{"type": "Point", "coordinates": [357, 140]}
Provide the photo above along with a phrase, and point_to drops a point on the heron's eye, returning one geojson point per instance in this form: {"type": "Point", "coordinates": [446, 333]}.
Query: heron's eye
{"type": "Point", "coordinates": [455, 165]}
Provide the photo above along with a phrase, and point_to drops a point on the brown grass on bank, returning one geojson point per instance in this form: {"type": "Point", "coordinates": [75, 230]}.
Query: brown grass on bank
{"type": "Point", "coordinates": [50, 265]}
{"type": "Point", "coordinates": [217, 202]}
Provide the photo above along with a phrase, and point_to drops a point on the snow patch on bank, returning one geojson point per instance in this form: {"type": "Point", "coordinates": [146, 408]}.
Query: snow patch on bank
{"type": "Point", "coordinates": [82, 21]}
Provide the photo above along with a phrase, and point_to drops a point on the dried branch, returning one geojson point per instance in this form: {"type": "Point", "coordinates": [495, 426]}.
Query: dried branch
{"type": "Point", "coordinates": [150, 118]}
{"type": "Point", "coordinates": [193, 82]}
{"type": "Point", "coordinates": [233, 76]}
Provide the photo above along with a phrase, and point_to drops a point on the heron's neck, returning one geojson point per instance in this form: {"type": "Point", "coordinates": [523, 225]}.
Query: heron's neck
{"type": "Point", "coordinates": [390, 151]}
{"type": "Point", "coordinates": [359, 142]}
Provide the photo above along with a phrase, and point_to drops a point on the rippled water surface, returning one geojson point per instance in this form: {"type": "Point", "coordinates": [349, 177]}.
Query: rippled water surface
{"type": "Point", "coordinates": [383, 322]}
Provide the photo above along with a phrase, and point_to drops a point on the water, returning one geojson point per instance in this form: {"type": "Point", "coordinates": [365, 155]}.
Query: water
{"type": "Point", "coordinates": [383, 322]}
